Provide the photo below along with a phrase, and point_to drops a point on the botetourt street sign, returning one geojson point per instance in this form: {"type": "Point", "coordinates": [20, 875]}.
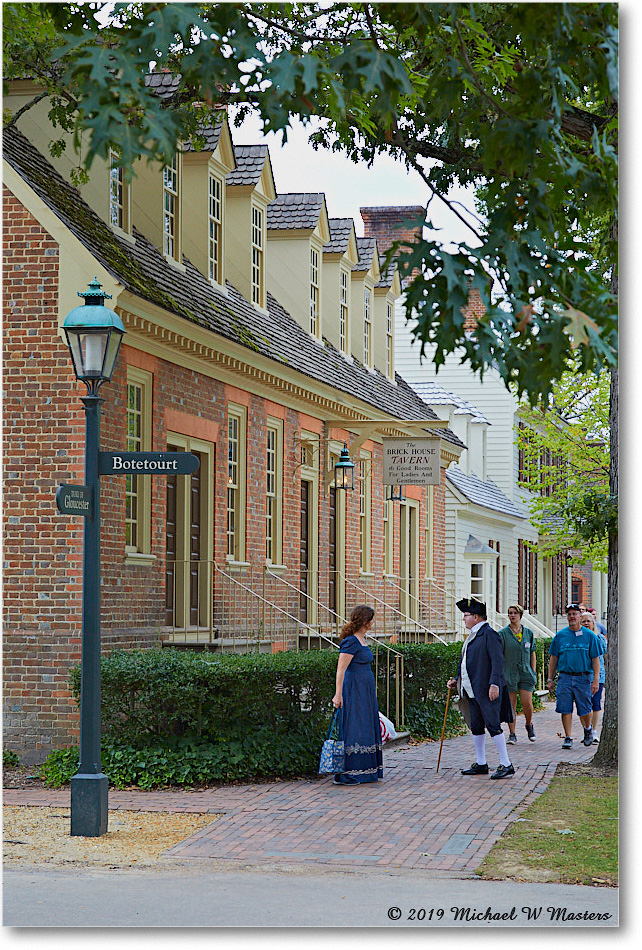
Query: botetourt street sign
{"type": "Point", "coordinates": [147, 463]}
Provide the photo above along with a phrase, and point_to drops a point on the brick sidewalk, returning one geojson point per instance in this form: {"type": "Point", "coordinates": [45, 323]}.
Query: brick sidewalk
{"type": "Point", "coordinates": [415, 818]}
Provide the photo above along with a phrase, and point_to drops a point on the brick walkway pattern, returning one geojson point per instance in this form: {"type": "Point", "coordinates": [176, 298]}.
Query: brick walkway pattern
{"type": "Point", "coordinates": [415, 817]}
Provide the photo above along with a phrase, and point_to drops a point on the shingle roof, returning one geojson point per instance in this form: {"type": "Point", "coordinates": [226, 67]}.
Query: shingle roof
{"type": "Point", "coordinates": [486, 494]}
{"type": "Point", "coordinates": [294, 211]}
{"type": "Point", "coordinates": [366, 248]}
{"type": "Point", "coordinates": [250, 160]}
{"type": "Point", "coordinates": [387, 275]}
{"type": "Point", "coordinates": [211, 134]}
{"type": "Point", "coordinates": [340, 230]}
{"type": "Point", "coordinates": [164, 84]}
{"type": "Point", "coordinates": [143, 270]}
{"type": "Point", "coordinates": [435, 395]}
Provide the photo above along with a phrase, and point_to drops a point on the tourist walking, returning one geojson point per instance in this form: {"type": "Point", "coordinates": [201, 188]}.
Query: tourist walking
{"type": "Point", "coordinates": [357, 697]}
{"type": "Point", "coordinates": [483, 697]}
{"type": "Point", "coordinates": [520, 668]}
{"type": "Point", "coordinates": [574, 654]}
{"type": "Point", "coordinates": [588, 620]}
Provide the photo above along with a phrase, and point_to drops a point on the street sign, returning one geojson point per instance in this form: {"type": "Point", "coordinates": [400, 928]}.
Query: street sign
{"type": "Point", "coordinates": [411, 462]}
{"type": "Point", "coordinates": [147, 463]}
{"type": "Point", "coordinates": [75, 500]}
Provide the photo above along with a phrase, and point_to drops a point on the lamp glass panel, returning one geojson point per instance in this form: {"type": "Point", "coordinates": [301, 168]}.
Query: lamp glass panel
{"type": "Point", "coordinates": [113, 347]}
{"type": "Point", "coordinates": [93, 346]}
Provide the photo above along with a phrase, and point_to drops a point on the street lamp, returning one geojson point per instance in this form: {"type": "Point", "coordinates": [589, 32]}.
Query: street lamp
{"type": "Point", "coordinates": [94, 334]}
{"type": "Point", "coordinates": [344, 471]}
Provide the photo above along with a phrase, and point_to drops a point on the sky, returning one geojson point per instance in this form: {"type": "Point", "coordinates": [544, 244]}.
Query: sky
{"type": "Point", "coordinates": [348, 186]}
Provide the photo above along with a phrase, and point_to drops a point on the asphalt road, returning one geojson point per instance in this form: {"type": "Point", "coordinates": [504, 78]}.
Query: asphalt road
{"type": "Point", "coordinates": [294, 897]}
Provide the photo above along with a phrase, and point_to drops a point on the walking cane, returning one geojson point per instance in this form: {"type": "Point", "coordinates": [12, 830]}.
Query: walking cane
{"type": "Point", "coordinates": [444, 728]}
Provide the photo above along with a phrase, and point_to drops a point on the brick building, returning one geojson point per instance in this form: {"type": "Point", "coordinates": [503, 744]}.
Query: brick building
{"type": "Point", "coordinates": [259, 335]}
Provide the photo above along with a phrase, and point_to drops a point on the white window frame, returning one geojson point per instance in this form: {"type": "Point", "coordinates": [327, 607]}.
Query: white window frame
{"type": "Point", "coordinates": [390, 353]}
{"type": "Point", "coordinates": [344, 311]}
{"type": "Point", "coordinates": [139, 486]}
{"type": "Point", "coordinates": [215, 206]}
{"type": "Point", "coordinates": [171, 210]}
{"type": "Point", "coordinates": [119, 196]}
{"type": "Point", "coordinates": [235, 538]}
{"type": "Point", "coordinates": [315, 292]}
{"type": "Point", "coordinates": [258, 256]}
{"type": "Point", "coordinates": [367, 327]}
{"type": "Point", "coordinates": [274, 492]}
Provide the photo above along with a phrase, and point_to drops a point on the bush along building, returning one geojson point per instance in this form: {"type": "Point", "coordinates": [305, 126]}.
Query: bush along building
{"type": "Point", "coordinates": [259, 336]}
{"type": "Point", "coordinates": [491, 544]}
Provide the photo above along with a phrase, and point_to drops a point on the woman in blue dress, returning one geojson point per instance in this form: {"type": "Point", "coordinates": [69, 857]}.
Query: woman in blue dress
{"type": "Point", "coordinates": [356, 694]}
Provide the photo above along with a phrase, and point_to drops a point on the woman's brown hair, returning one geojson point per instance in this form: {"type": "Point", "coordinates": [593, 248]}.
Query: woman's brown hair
{"type": "Point", "coordinates": [360, 616]}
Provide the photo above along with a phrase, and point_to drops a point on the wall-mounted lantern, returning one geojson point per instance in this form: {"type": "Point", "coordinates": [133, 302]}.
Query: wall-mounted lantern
{"type": "Point", "coordinates": [395, 493]}
{"type": "Point", "coordinates": [344, 471]}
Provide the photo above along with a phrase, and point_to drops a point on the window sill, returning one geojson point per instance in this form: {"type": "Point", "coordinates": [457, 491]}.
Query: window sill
{"type": "Point", "coordinates": [222, 289]}
{"type": "Point", "coordinates": [177, 264]}
{"type": "Point", "coordinates": [277, 568]}
{"type": "Point", "coordinates": [125, 235]}
{"type": "Point", "coordinates": [366, 574]}
{"type": "Point", "coordinates": [236, 565]}
{"type": "Point", "coordinates": [138, 557]}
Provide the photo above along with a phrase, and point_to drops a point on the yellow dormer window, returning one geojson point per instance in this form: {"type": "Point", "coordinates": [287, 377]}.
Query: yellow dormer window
{"type": "Point", "coordinates": [118, 195]}
{"type": "Point", "coordinates": [389, 347]}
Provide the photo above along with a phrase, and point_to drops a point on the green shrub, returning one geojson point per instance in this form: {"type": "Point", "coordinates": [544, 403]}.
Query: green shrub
{"type": "Point", "coordinates": [9, 759]}
{"type": "Point", "coordinates": [426, 720]}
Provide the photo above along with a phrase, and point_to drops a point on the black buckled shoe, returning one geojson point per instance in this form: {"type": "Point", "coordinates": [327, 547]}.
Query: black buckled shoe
{"type": "Point", "coordinates": [503, 771]}
{"type": "Point", "coordinates": [475, 769]}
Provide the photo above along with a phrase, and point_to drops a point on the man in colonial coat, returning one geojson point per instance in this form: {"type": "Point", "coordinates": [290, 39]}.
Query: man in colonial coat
{"type": "Point", "coordinates": [484, 701]}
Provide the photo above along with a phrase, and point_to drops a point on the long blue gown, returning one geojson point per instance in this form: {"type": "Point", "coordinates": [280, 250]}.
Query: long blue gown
{"type": "Point", "coordinates": [361, 729]}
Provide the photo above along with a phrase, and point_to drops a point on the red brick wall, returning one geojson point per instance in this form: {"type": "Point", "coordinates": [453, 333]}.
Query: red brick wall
{"type": "Point", "coordinates": [42, 448]}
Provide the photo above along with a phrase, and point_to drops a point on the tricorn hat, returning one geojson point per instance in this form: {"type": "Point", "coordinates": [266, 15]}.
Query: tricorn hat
{"type": "Point", "coordinates": [472, 606]}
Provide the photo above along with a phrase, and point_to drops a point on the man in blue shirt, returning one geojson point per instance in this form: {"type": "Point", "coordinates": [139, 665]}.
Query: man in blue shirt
{"type": "Point", "coordinates": [574, 654]}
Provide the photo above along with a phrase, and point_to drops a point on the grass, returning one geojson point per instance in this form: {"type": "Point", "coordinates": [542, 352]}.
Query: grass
{"type": "Point", "coordinates": [569, 835]}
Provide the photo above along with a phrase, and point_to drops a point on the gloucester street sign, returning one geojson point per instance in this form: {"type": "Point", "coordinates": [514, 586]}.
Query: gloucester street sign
{"type": "Point", "coordinates": [75, 500]}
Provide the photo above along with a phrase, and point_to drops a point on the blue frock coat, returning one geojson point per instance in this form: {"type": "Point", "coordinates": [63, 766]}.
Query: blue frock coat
{"type": "Point", "coordinates": [485, 665]}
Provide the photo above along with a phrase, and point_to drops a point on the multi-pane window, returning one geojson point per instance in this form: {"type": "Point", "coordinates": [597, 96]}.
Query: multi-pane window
{"type": "Point", "coordinates": [233, 486]}
{"type": "Point", "coordinates": [257, 256]}
{"type": "Point", "coordinates": [215, 229]}
{"type": "Point", "coordinates": [116, 192]}
{"type": "Point", "coordinates": [133, 443]}
{"type": "Point", "coordinates": [364, 514]}
{"type": "Point", "coordinates": [389, 348]}
{"type": "Point", "coordinates": [170, 208]}
{"type": "Point", "coordinates": [477, 580]}
{"type": "Point", "coordinates": [314, 292]}
{"type": "Point", "coordinates": [270, 494]}
{"type": "Point", "coordinates": [367, 328]}
{"type": "Point", "coordinates": [388, 515]}
{"type": "Point", "coordinates": [430, 517]}
{"type": "Point", "coordinates": [343, 314]}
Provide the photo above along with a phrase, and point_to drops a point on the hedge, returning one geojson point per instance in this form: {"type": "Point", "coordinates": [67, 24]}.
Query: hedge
{"type": "Point", "coordinates": [172, 717]}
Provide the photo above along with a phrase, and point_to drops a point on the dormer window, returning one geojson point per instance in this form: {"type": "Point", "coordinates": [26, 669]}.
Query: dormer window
{"type": "Point", "coordinates": [118, 194]}
{"type": "Point", "coordinates": [343, 314]}
{"type": "Point", "coordinates": [389, 347]}
{"type": "Point", "coordinates": [257, 257]}
{"type": "Point", "coordinates": [215, 247]}
{"type": "Point", "coordinates": [367, 329]}
{"type": "Point", "coordinates": [314, 292]}
{"type": "Point", "coordinates": [170, 209]}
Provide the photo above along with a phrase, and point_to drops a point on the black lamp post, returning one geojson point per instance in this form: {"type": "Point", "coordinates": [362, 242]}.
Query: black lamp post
{"type": "Point", "coordinates": [344, 471]}
{"type": "Point", "coordinates": [94, 334]}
